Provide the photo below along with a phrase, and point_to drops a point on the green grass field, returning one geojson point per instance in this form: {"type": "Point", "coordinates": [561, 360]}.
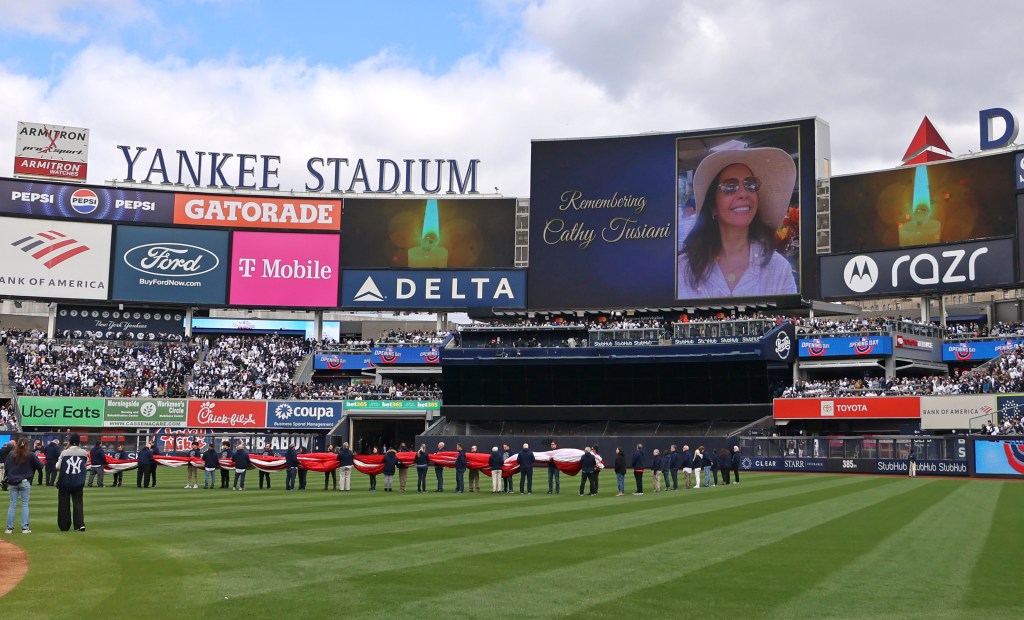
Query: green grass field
{"type": "Point", "coordinates": [776, 546]}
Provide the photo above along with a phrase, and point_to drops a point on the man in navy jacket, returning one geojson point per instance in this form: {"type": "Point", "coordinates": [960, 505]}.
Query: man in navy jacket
{"type": "Point", "coordinates": [588, 469]}
{"type": "Point", "coordinates": [145, 461]}
{"type": "Point", "coordinates": [439, 469]}
{"type": "Point", "coordinates": [241, 459]}
{"type": "Point", "coordinates": [291, 463]}
{"type": "Point", "coordinates": [637, 464]}
{"type": "Point", "coordinates": [70, 482]}
{"type": "Point", "coordinates": [673, 468]}
{"type": "Point", "coordinates": [345, 462]}
{"type": "Point", "coordinates": [526, 462]}
{"type": "Point", "coordinates": [122, 455]}
{"type": "Point", "coordinates": [52, 453]}
{"type": "Point", "coordinates": [460, 468]}
{"type": "Point", "coordinates": [686, 463]}
{"type": "Point", "coordinates": [495, 464]}
{"type": "Point", "coordinates": [97, 460]}
{"type": "Point", "coordinates": [210, 465]}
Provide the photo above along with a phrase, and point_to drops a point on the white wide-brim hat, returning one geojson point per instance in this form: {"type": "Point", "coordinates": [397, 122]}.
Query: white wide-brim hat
{"type": "Point", "coordinates": [773, 166]}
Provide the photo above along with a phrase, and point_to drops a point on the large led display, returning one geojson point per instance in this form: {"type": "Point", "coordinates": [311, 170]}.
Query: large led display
{"type": "Point", "coordinates": [294, 270]}
{"type": "Point", "coordinates": [170, 265]}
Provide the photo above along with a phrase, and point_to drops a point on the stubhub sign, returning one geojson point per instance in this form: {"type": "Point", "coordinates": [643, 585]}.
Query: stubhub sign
{"type": "Point", "coordinates": [303, 414]}
{"type": "Point", "coordinates": [433, 289]}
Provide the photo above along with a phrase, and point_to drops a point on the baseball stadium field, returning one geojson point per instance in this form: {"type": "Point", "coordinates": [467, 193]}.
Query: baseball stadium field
{"type": "Point", "coordinates": [775, 546]}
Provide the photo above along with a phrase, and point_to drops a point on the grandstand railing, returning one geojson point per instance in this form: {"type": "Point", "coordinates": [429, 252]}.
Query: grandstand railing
{"type": "Point", "coordinates": [723, 329]}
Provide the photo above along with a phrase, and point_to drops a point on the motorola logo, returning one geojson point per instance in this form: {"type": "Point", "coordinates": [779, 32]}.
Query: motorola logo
{"type": "Point", "coordinates": [860, 274]}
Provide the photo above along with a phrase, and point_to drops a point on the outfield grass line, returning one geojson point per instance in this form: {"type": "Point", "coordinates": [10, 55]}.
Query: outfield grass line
{"type": "Point", "coordinates": [902, 570]}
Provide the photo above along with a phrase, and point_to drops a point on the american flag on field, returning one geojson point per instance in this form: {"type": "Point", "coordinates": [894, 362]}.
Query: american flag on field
{"type": "Point", "coordinates": [50, 247]}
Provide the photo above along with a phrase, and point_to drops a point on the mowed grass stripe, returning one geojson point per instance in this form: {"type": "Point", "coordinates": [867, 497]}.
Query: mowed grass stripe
{"type": "Point", "coordinates": [994, 580]}
{"type": "Point", "coordinates": [905, 575]}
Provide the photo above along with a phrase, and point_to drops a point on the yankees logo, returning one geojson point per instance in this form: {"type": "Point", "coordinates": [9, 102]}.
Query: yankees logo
{"type": "Point", "coordinates": [74, 465]}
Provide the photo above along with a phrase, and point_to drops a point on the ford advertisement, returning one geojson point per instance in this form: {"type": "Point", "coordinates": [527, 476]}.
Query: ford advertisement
{"type": "Point", "coordinates": [170, 265]}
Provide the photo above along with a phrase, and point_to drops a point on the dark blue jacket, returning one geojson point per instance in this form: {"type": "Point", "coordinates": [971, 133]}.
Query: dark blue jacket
{"type": "Point", "coordinates": [210, 460]}
{"type": "Point", "coordinates": [291, 458]}
{"type": "Point", "coordinates": [121, 454]}
{"type": "Point", "coordinates": [685, 459]}
{"type": "Point", "coordinates": [526, 459]}
{"type": "Point", "coordinates": [698, 461]}
{"type": "Point", "coordinates": [666, 462]}
{"type": "Point", "coordinates": [673, 460]}
{"type": "Point", "coordinates": [71, 473]}
{"type": "Point", "coordinates": [460, 460]}
{"type": "Point", "coordinates": [145, 456]}
{"type": "Point", "coordinates": [16, 472]}
{"type": "Point", "coordinates": [588, 463]}
{"type": "Point", "coordinates": [345, 458]}
{"type": "Point", "coordinates": [52, 453]}
{"type": "Point", "coordinates": [711, 459]}
{"type": "Point", "coordinates": [156, 449]}
{"type": "Point", "coordinates": [637, 462]}
{"type": "Point", "coordinates": [736, 459]}
{"type": "Point", "coordinates": [495, 462]}
{"type": "Point", "coordinates": [657, 463]}
{"type": "Point", "coordinates": [422, 458]}
{"type": "Point", "coordinates": [241, 459]}
{"type": "Point", "coordinates": [390, 463]}
{"type": "Point", "coordinates": [97, 457]}
{"type": "Point", "coordinates": [724, 462]}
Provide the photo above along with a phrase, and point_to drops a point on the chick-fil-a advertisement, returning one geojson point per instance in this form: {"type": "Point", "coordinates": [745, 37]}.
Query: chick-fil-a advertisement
{"type": "Point", "coordinates": [284, 269]}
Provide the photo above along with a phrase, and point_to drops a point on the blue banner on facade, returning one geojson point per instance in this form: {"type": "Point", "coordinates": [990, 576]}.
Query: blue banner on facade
{"type": "Point", "coordinates": [432, 289]}
{"type": "Point", "coordinates": [85, 202]}
{"type": "Point", "coordinates": [170, 265]}
{"type": "Point", "coordinates": [379, 356]}
{"type": "Point", "coordinates": [977, 349]}
{"type": "Point", "coordinates": [844, 347]}
{"type": "Point", "coordinates": [303, 414]}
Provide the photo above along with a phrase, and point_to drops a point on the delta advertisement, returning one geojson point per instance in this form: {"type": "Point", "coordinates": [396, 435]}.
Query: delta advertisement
{"type": "Point", "coordinates": [999, 457]}
{"type": "Point", "coordinates": [405, 233]}
{"type": "Point", "coordinates": [48, 259]}
{"type": "Point", "coordinates": [52, 151]}
{"type": "Point", "coordinates": [857, 346]}
{"type": "Point", "coordinates": [104, 322]}
{"type": "Point", "coordinates": [639, 220]}
{"type": "Point", "coordinates": [284, 270]}
{"type": "Point", "coordinates": [429, 289]}
{"type": "Point", "coordinates": [90, 202]}
{"type": "Point", "coordinates": [944, 202]}
{"type": "Point", "coordinates": [170, 265]}
{"type": "Point", "coordinates": [230, 211]}
{"type": "Point", "coordinates": [978, 349]}
{"type": "Point", "coordinates": [867, 408]}
{"type": "Point", "coordinates": [379, 356]}
{"type": "Point", "coordinates": [303, 414]}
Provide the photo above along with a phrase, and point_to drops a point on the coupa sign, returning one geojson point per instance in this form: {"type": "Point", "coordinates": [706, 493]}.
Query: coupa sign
{"type": "Point", "coordinates": [952, 267]}
{"type": "Point", "coordinates": [303, 414]}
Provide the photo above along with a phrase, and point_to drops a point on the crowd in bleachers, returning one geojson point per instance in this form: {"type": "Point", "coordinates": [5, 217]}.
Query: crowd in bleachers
{"type": "Point", "coordinates": [248, 367]}
{"type": "Point", "coordinates": [386, 391]}
{"type": "Point", "coordinates": [38, 366]}
{"type": "Point", "coordinates": [8, 421]}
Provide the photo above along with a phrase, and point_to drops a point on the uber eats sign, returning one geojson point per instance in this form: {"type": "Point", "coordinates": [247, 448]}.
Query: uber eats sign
{"type": "Point", "coordinates": [70, 412]}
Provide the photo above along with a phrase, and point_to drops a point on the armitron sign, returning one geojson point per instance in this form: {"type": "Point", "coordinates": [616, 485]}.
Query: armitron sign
{"type": "Point", "coordinates": [51, 151]}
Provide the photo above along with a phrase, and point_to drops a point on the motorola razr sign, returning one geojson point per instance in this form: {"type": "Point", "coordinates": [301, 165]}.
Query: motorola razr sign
{"type": "Point", "coordinates": [975, 265]}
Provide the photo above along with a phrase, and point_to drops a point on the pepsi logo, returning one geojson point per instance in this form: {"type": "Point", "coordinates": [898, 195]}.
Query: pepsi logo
{"type": "Point", "coordinates": [84, 201]}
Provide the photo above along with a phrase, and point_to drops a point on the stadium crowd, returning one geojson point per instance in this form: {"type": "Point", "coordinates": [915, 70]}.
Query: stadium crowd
{"type": "Point", "coordinates": [8, 421]}
{"type": "Point", "coordinates": [385, 391]}
{"type": "Point", "coordinates": [248, 367]}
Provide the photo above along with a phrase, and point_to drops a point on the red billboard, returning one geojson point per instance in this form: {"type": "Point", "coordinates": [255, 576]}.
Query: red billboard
{"type": "Point", "coordinates": [227, 413]}
{"type": "Point", "coordinates": [871, 407]}
{"type": "Point", "coordinates": [232, 211]}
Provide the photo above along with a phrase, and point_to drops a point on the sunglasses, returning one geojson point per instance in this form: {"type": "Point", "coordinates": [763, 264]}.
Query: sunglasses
{"type": "Point", "coordinates": [731, 186]}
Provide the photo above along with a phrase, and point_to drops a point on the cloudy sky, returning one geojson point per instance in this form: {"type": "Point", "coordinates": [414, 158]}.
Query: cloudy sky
{"type": "Point", "coordinates": [480, 79]}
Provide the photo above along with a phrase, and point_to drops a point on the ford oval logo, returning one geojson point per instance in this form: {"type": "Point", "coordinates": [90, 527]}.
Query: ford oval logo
{"type": "Point", "coordinates": [171, 260]}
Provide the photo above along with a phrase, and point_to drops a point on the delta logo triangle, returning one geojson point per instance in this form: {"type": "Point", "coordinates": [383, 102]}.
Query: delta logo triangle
{"type": "Point", "coordinates": [922, 146]}
{"type": "Point", "coordinates": [368, 291]}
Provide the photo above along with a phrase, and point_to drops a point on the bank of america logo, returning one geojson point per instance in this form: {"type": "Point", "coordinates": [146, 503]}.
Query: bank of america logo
{"type": "Point", "coordinates": [368, 291]}
{"type": "Point", "coordinates": [860, 274]}
{"type": "Point", "coordinates": [51, 247]}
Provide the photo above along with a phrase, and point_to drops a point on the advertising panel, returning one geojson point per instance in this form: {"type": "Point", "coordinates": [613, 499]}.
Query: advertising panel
{"type": "Point", "coordinates": [230, 211]}
{"type": "Point", "coordinates": [944, 202]}
{"type": "Point", "coordinates": [342, 361]}
{"type": "Point", "coordinates": [90, 202]}
{"type": "Point", "coordinates": [284, 269]}
{"type": "Point", "coordinates": [954, 413]}
{"type": "Point", "coordinates": [392, 404]}
{"type": "Point", "coordinates": [303, 414]}
{"type": "Point", "coordinates": [858, 466]}
{"type": "Point", "coordinates": [433, 289]}
{"type": "Point", "coordinates": [461, 233]}
{"type": "Point", "coordinates": [112, 324]}
{"type": "Point", "coordinates": [977, 349]}
{"type": "Point", "coordinates": [872, 407]}
{"type": "Point", "coordinates": [330, 330]}
{"type": "Point", "coordinates": [53, 259]}
{"type": "Point", "coordinates": [917, 347]}
{"type": "Point", "coordinates": [66, 412]}
{"type": "Point", "coordinates": [600, 208]}
{"type": "Point", "coordinates": [959, 267]}
{"type": "Point", "coordinates": [380, 356]}
{"type": "Point", "coordinates": [999, 457]}
{"type": "Point", "coordinates": [1009, 408]}
{"type": "Point", "coordinates": [858, 346]}
{"type": "Point", "coordinates": [227, 413]}
{"type": "Point", "coordinates": [170, 265]}
{"type": "Point", "coordinates": [52, 151]}
{"type": "Point", "coordinates": [779, 463]}
{"type": "Point", "coordinates": [145, 412]}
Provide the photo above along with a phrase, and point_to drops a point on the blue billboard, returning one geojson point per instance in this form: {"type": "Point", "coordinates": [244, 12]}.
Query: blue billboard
{"type": "Point", "coordinates": [999, 458]}
{"type": "Point", "coordinates": [453, 289]}
{"type": "Point", "coordinates": [170, 265]}
{"type": "Point", "coordinates": [379, 356]}
{"type": "Point", "coordinates": [303, 414]}
{"type": "Point", "coordinates": [846, 347]}
{"type": "Point", "coordinates": [330, 330]}
{"type": "Point", "coordinates": [85, 202]}
{"type": "Point", "coordinates": [977, 349]}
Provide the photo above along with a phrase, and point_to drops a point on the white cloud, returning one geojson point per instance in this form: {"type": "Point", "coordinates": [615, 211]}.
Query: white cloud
{"type": "Point", "coordinates": [62, 20]}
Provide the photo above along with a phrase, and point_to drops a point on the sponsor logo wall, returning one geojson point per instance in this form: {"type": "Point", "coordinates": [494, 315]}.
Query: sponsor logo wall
{"type": "Point", "coordinates": [303, 414]}
{"type": "Point", "coordinates": [140, 412]}
{"type": "Point", "coordinates": [957, 412]}
{"type": "Point", "coordinates": [463, 233]}
{"type": "Point", "coordinates": [944, 202]}
{"type": "Point", "coordinates": [67, 412]}
{"type": "Point", "coordinates": [230, 211]}
{"type": "Point", "coordinates": [90, 202]}
{"type": "Point", "coordinates": [845, 347]}
{"type": "Point", "coordinates": [945, 268]}
{"type": "Point", "coordinates": [380, 356]}
{"type": "Point", "coordinates": [284, 269]}
{"type": "Point", "coordinates": [866, 466]}
{"type": "Point", "coordinates": [227, 413]}
{"type": "Point", "coordinates": [112, 324]}
{"type": "Point", "coordinates": [53, 151]}
{"type": "Point", "coordinates": [977, 349]}
{"type": "Point", "coordinates": [599, 208]}
{"type": "Point", "coordinates": [875, 407]}
{"type": "Point", "coordinates": [40, 258]}
{"type": "Point", "coordinates": [170, 265]}
{"type": "Point", "coordinates": [433, 289]}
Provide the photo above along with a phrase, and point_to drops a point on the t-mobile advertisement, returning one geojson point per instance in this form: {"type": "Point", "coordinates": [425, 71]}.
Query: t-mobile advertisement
{"type": "Point", "coordinates": [284, 270]}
